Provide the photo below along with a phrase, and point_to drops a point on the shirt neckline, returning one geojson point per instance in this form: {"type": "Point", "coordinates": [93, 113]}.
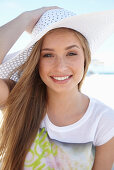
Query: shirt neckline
{"type": "Point", "coordinates": [51, 126]}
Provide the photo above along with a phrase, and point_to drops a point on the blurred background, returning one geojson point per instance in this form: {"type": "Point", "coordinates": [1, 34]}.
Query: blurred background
{"type": "Point", "coordinates": [99, 82]}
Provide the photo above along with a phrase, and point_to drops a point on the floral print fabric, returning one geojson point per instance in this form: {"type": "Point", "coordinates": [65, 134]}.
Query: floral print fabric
{"type": "Point", "coordinates": [49, 154]}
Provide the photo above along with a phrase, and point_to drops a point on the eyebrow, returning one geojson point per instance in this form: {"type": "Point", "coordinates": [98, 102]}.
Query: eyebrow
{"type": "Point", "coordinates": [69, 47]}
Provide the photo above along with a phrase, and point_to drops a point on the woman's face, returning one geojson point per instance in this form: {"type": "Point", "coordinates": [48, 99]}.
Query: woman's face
{"type": "Point", "coordinates": [61, 64]}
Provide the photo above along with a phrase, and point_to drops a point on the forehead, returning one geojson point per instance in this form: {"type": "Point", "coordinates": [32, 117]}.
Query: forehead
{"type": "Point", "coordinates": [61, 36]}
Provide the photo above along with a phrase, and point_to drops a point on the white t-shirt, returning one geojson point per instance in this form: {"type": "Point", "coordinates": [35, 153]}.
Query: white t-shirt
{"type": "Point", "coordinates": [96, 126]}
{"type": "Point", "coordinates": [72, 146]}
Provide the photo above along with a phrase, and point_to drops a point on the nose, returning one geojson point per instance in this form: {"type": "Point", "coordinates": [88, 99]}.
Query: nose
{"type": "Point", "coordinates": [60, 64]}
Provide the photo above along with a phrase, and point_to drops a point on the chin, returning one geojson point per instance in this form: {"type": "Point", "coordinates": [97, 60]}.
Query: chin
{"type": "Point", "coordinates": [62, 89]}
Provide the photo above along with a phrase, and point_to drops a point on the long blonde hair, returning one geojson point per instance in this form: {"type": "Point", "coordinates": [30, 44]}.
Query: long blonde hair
{"type": "Point", "coordinates": [25, 108]}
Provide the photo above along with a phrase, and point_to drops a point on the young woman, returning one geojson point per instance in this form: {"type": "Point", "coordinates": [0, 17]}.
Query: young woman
{"type": "Point", "coordinates": [48, 123]}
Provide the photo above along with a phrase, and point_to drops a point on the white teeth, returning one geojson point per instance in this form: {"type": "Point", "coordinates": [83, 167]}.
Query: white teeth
{"type": "Point", "coordinates": [61, 78]}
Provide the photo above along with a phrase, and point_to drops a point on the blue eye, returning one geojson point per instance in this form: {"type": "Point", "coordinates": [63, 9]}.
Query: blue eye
{"type": "Point", "coordinates": [72, 54]}
{"type": "Point", "coordinates": [47, 55]}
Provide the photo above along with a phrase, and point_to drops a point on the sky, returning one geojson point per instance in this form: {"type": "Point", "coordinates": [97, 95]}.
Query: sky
{"type": "Point", "coordinates": [9, 9]}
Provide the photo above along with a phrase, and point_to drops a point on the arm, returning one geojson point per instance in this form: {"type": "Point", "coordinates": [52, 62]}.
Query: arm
{"type": "Point", "coordinates": [10, 32]}
{"type": "Point", "coordinates": [6, 85]}
{"type": "Point", "coordinates": [4, 92]}
{"type": "Point", "coordinates": [104, 156]}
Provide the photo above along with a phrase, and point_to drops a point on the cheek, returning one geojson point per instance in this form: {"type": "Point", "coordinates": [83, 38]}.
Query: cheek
{"type": "Point", "coordinates": [43, 69]}
{"type": "Point", "coordinates": [79, 64]}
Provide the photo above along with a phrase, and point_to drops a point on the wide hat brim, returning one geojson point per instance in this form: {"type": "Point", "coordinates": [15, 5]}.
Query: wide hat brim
{"type": "Point", "coordinates": [96, 27]}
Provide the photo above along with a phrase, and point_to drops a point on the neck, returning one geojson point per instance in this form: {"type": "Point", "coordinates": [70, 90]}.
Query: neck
{"type": "Point", "coordinates": [61, 106]}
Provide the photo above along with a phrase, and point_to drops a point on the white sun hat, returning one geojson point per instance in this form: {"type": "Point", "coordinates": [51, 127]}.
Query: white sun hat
{"type": "Point", "coordinates": [95, 27]}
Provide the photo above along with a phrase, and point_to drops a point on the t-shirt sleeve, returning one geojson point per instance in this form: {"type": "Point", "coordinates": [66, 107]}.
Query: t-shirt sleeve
{"type": "Point", "coordinates": [105, 129]}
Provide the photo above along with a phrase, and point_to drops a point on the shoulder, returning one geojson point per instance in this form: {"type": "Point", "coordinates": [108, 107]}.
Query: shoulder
{"type": "Point", "coordinates": [99, 105]}
{"type": "Point", "coordinates": [101, 110]}
{"type": "Point", "coordinates": [10, 83]}
{"type": "Point", "coordinates": [104, 135]}
{"type": "Point", "coordinates": [6, 85]}
{"type": "Point", "coordinates": [104, 120]}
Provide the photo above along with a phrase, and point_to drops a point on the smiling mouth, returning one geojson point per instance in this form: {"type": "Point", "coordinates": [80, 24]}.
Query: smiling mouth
{"type": "Point", "coordinates": [61, 78]}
